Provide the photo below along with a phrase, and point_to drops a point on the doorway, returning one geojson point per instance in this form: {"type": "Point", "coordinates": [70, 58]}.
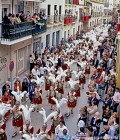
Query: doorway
{"type": "Point", "coordinates": [57, 38]}
{"type": "Point", "coordinates": [48, 41]}
{"type": "Point", "coordinates": [53, 39]}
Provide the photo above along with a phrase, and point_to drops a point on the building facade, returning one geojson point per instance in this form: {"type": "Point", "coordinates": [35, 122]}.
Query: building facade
{"type": "Point", "coordinates": [62, 20]}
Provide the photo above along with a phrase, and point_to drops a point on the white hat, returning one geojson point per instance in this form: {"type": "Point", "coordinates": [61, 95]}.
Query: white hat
{"type": "Point", "coordinates": [106, 137]}
{"type": "Point", "coordinates": [81, 123]}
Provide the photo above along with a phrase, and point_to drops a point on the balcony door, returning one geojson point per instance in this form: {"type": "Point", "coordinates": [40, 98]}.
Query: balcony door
{"type": "Point", "coordinates": [73, 31]}
{"type": "Point", "coordinates": [57, 38]}
{"type": "Point", "coordinates": [49, 10]}
{"type": "Point", "coordinates": [60, 10]}
{"type": "Point", "coordinates": [65, 35]}
{"type": "Point", "coordinates": [53, 39]}
{"type": "Point", "coordinates": [5, 10]}
{"type": "Point", "coordinates": [37, 45]}
{"type": "Point", "coordinates": [21, 59]}
{"type": "Point", "coordinates": [80, 14]}
{"type": "Point", "coordinates": [48, 40]}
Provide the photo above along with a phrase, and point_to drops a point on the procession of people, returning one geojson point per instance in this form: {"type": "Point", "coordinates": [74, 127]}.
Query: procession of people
{"type": "Point", "coordinates": [61, 75]}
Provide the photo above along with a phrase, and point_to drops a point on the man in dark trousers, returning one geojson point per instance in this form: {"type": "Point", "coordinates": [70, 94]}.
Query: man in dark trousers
{"type": "Point", "coordinates": [59, 62]}
{"type": "Point", "coordinates": [95, 61]}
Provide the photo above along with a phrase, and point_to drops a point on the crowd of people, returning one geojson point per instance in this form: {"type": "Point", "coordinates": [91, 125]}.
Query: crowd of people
{"type": "Point", "coordinates": [22, 17]}
{"type": "Point", "coordinates": [11, 21]}
{"type": "Point", "coordinates": [52, 75]}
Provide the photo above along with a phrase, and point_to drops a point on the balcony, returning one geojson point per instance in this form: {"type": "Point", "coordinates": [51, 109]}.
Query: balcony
{"type": "Point", "coordinates": [50, 19]}
{"type": "Point", "coordinates": [61, 18]}
{"type": "Point", "coordinates": [40, 26]}
{"type": "Point", "coordinates": [75, 2]}
{"type": "Point", "coordinates": [68, 20]}
{"type": "Point", "coordinates": [85, 19]}
{"type": "Point", "coordinates": [99, 1]}
{"type": "Point", "coordinates": [56, 19]}
{"type": "Point", "coordinates": [21, 31]}
{"type": "Point", "coordinates": [118, 27]}
{"type": "Point", "coordinates": [53, 19]}
{"type": "Point", "coordinates": [68, 1]}
{"type": "Point", "coordinates": [74, 19]}
{"type": "Point", "coordinates": [17, 31]}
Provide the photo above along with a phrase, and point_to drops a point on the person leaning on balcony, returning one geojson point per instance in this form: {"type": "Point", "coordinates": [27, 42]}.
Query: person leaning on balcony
{"type": "Point", "coordinates": [6, 20]}
{"type": "Point", "coordinates": [13, 19]}
{"type": "Point", "coordinates": [44, 16]}
{"type": "Point", "coordinates": [22, 16]}
{"type": "Point", "coordinates": [35, 18]}
{"type": "Point", "coordinates": [10, 17]}
{"type": "Point", "coordinates": [17, 19]}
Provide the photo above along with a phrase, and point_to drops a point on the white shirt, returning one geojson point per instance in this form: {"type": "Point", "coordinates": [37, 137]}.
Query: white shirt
{"type": "Point", "coordinates": [34, 72]}
{"type": "Point", "coordinates": [41, 70]}
{"type": "Point", "coordinates": [59, 130]}
{"type": "Point", "coordinates": [103, 74]}
{"type": "Point", "coordinates": [81, 123]}
{"type": "Point", "coordinates": [116, 97]}
{"type": "Point", "coordinates": [42, 134]}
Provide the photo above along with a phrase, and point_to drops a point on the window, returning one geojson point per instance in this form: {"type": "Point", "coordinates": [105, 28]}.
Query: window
{"type": "Point", "coordinates": [60, 10]}
{"type": "Point", "coordinates": [90, 23]}
{"type": "Point", "coordinates": [53, 39]}
{"type": "Point", "coordinates": [57, 38]}
{"type": "Point", "coordinates": [21, 59]}
{"type": "Point", "coordinates": [73, 31]}
{"type": "Point", "coordinates": [37, 45]}
{"type": "Point", "coordinates": [49, 10]}
{"type": "Point", "coordinates": [55, 7]}
{"type": "Point", "coordinates": [65, 35]}
{"type": "Point", "coordinates": [48, 40]}
{"type": "Point", "coordinates": [68, 33]}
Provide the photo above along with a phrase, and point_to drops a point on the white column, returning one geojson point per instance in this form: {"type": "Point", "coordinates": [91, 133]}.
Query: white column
{"type": "Point", "coordinates": [14, 8]}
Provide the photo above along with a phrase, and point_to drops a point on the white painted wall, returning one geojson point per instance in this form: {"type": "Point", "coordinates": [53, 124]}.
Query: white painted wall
{"type": "Point", "coordinates": [81, 2]}
{"type": "Point", "coordinates": [96, 7]}
{"type": "Point", "coordinates": [111, 2]}
{"type": "Point", "coordinates": [45, 4]}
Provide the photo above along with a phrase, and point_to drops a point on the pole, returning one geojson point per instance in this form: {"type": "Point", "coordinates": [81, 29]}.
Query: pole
{"type": "Point", "coordinates": [12, 6]}
{"type": "Point", "coordinates": [11, 71]}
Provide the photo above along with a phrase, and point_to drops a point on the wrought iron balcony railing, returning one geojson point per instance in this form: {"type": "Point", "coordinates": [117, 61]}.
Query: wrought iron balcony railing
{"type": "Point", "coordinates": [23, 29]}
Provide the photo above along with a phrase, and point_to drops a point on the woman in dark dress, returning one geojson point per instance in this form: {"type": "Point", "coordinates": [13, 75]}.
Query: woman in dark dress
{"type": "Point", "coordinates": [25, 85]}
{"type": "Point", "coordinates": [106, 115]}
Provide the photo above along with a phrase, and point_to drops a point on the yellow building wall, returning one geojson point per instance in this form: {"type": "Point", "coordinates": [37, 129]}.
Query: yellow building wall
{"type": "Point", "coordinates": [118, 61]}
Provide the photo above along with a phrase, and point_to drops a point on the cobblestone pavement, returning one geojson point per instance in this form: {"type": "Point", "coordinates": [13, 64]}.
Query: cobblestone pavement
{"type": "Point", "coordinates": [37, 120]}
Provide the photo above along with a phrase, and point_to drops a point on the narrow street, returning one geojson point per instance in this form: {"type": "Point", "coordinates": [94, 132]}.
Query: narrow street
{"type": "Point", "coordinates": [45, 44]}
{"type": "Point", "coordinates": [37, 121]}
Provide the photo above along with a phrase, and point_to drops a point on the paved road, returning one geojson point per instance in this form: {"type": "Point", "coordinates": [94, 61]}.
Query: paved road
{"type": "Point", "coordinates": [37, 120]}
